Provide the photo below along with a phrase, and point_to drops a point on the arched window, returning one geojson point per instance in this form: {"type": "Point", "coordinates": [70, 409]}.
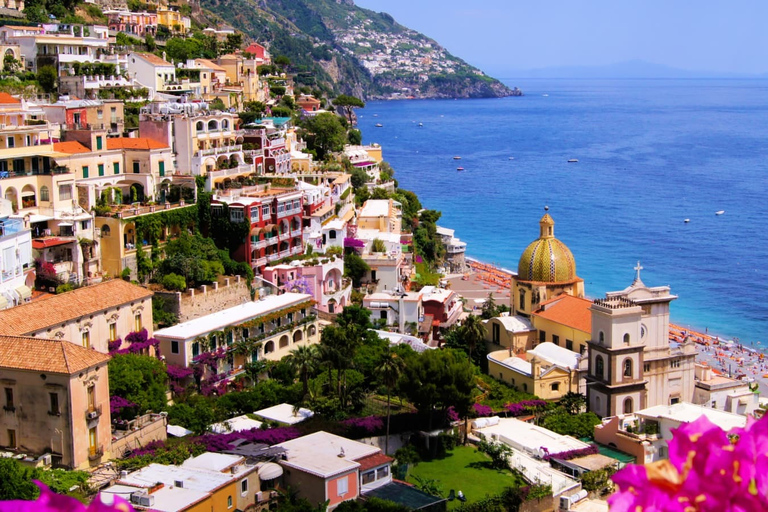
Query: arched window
{"type": "Point", "coordinates": [284, 341]}
{"type": "Point", "coordinates": [105, 231]}
{"type": "Point", "coordinates": [601, 337]}
{"type": "Point", "coordinates": [628, 406]}
{"type": "Point", "coordinates": [298, 336]}
{"type": "Point", "coordinates": [312, 330]}
{"type": "Point", "coordinates": [212, 125]}
{"type": "Point", "coordinates": [522, 299]}
{"type": "Point", "coordinates": [599, 367]}
{"type": "Point", "coordinates": [628, 368]}
{"type": "Point", "coordinates": [199, 126]}
{"type": "Point", "coordinates": [44, 194]}
{"type": "Point", "coordinates": [224, 124]}
{"type": "Point", "coordinates": [269, 347]}
{"type": "Point", "coordinates": [626, 339]}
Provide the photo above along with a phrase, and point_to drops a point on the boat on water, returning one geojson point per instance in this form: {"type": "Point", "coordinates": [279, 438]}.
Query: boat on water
{"type": "Point", "coordinates": [421, 124]}
{"type": "Point", "coordinates": [511, 158]}
{"type": "Point", "coordinates": [719, 212]}
{"type": "Point", "coordinates": [545, 95]}
{"type": "Point", "coordinates": [573, 161]}
{"type": "Point", "coordinates": [375, 115]}
{"type": "Point", "coordinates": [457, 158]}
{"type": "Point", "coordinates": [687, 221]}
{"type": "Point", "coordinates": [379, 125]}
{"type": "Point", "coordinates": [459, 168]}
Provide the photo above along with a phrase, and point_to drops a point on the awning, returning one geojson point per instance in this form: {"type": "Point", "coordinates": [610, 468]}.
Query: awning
{"type": "Point", "coordinates": [65, 224]}
{"type": "Point", "coordinates": [24, 292]}
{"type": "Point", "coordinates": [34, 217]}
{"type": "Point", "coordinates": [3, 302]}
{"type": "Point", "coordinates": [255, 231]}
{"type": "Point", "coordinates": [27, 193]}
{"type": "Point", "coordinates": [44, 243]}
{"type": "Point", "coordinates": [270, 227]}
{"type": "Point", "coordinates": [270, 471]}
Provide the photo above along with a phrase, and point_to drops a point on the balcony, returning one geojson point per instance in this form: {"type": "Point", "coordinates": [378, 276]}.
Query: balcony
{"type": "Point", "coordinates": [286, 213]}
{"type": "Point", "coordinates": [297, 250]}
{"type": "Point", "coordinates": [259, 245]}
{"type": "Point", "coordinates": [253, 153]}
{"type": "Point", "coordinates": [222, 150]}
{"type": "Point", "coordinates": [296, 232]}
{"type": "Point", "coordinates": [93, 413]}
{"type": "Point", "coordinates": [95, 452]}
{"type": "Point", "coordinates": [234, 171]}
{"type": "Point", "coordinates": [259, 262]}
{"type": "Point", "coordinates": [272, 240]}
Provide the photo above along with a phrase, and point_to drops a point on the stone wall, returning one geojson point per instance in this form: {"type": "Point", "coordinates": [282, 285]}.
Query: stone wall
{"type": "Point", "coordinates": [139, 432]}
{"type": "Point", "coordinates": [204, 300]}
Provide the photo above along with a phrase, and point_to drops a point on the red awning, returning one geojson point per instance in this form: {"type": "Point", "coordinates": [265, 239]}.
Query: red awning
{"type": "Point", "coordinates": [44, 243]}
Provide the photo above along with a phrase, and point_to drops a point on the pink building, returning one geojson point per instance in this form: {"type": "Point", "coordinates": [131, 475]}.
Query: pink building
{"type": "Point", "coordinates": [137, 23]}
{"type": "Point", "coordinates": [321, 278]}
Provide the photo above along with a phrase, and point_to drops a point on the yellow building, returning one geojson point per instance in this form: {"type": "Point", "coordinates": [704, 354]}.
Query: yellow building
{"type": "Point", "coordinates": [565, 321]}
{"type": "Point", "coordinates": [546, 269]}
{"type": "Point", "coordinates": [514, 333]}
{"type": "Point", "coordinates": [547, 371]}
{"type": "Point", "coordinates": [173, 20]}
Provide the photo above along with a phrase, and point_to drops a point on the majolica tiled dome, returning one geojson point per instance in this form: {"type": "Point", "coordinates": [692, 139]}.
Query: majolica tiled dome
{"type": "Point", "coordinates": [547, 259]}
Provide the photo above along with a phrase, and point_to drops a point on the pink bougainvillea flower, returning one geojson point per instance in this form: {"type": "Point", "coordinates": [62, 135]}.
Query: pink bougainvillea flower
{"type": "Point", "coordinates": [708, 470]}
{"type": "Point", "coordinates": [49, 501]}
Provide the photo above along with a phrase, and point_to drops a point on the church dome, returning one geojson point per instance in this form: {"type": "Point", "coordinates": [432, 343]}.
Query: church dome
{"type": "Point", "coordinates": [547, 259]}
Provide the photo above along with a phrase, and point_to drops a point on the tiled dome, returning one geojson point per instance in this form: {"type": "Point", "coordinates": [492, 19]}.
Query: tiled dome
{"type": "Point", "coordinates": [547, 259]}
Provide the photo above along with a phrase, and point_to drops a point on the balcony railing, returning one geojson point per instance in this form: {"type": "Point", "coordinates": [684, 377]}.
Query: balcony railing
{"type": "Point", "coordinates": [222, 173]}
{"type": "Point", "coordinates": [93, 413]}
{"type": "Point", "coordinates": [286, 213]}
{"type": "Point", "coordinates": [95, 452]}
{"type": "Point", "coordinates": [297, 250]}
{"type": "Point", "coordinates": [260, 262]}
{"type": "Point", "coordinates": [296, 232]}
{"type": "Point", "coordinates": [220, 150]}
{"type": "Point", "coordinates": [259, 245]}
{"type": "Point", "coordinates": [272, 240]}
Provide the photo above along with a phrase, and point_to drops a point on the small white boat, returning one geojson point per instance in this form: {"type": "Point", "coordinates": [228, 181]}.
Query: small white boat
{"type": "Point", "coordinates": [457, 158]}
{"type": "Point", "coordinates": [379, 125]}
{"type": "Point", "coordinates": [545, 95]}
{"type": "Point", "coordinates": [375, 115]}
{"type": "Point", "coordinates": [687, 221]}
{"type": "Point", "coordinates": [573, 161]}
{"type": "Point", "coordinates": [459, 168]}
{"type": "Point", "coordinates": [719, 212]}
{"type": "Point", "coordinates": [511, 158]}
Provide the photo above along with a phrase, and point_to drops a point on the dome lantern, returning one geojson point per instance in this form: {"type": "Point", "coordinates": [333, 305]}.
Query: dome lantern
{"type": "Point", "coordinates": [547, 259]}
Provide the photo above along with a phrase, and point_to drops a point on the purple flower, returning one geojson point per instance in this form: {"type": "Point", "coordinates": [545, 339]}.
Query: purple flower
{"type": "Point", "coordinates": [178, 372]}
{"type": "Point", "coordinates": [524, 407]}
{"type": "Point", "coordinates": [367, 425]}
{"type": "Point", "coordinates": [118, 403]}
{"type": "Point", "coordinates": [708, 470]}
{"type": "Point", "coordinates": [221, 442]}
{"type": "Point", "coordinates": [572, 454]}
{"type": "Point", "coordinates": [49, 501]}
{"type": "Point", "coordinates": [483, 410]}
{"type": "Point", "coordinates": [452, 414]}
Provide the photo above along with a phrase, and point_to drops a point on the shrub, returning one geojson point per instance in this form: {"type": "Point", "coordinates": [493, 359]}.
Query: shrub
{"type": "Point", "coordinates": [125, 275]}
{"type": "Point", "coordinates": [174, 282]}
{"type": "Point", "coordinates": [66, 287]}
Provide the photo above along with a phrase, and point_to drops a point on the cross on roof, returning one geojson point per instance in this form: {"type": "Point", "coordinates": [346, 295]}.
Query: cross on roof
{"type": "Point", "coordinates": [638, 268]}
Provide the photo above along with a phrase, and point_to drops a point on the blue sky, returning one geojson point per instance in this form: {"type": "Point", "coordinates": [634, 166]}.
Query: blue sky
{"type": "Point", "coordinates": [502, 36]}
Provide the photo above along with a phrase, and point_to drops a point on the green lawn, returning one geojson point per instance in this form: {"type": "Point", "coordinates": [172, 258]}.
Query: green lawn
{"type": "Point", "coordinates": [467, 470]}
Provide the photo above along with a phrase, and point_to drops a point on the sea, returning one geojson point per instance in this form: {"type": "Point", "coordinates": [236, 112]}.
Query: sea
{"type": "Point", "coordinates": [651, 154]}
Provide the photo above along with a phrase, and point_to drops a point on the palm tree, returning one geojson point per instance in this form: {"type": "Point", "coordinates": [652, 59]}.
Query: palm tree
{"type": "Point", "coordinates": [473, 332]}
{"type": "Point", "coordinates": [303, 359]}
{"type": "Point", "coordinates": [389, 371]}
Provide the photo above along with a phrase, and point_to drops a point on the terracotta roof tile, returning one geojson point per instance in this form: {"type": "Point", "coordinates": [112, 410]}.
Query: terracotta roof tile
{"type": "Point", "coordinates": [373, 461]}
{"type": "Point", "coordinates": [153, 59]}
{"type": "Point", "coordinates": [134, 143]}
{"type": "Point", "coordinates": [70, 147]}
{"type": "Point", "coordinates": [58, 309]}
{"type": "Point", "coordinates": [567, 310]}
{"type": "Point", "coordinates": [6, 98]}
{"type": "Point", "coordinates": [46, 355]}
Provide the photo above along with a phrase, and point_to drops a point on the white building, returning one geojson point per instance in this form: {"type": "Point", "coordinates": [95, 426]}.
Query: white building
{"type": "Point", "coordinates": [152, 72]}
{"type": "Point", "coordinates": [16, 264]}
{"type": "Point", "coordinates": [395, 309]}
{"type": "Point", "coordinates": [723, 393]}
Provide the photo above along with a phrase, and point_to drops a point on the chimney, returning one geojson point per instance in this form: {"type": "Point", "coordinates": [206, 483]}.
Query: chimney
{"type": "Point", "coordinates": [164, 56]}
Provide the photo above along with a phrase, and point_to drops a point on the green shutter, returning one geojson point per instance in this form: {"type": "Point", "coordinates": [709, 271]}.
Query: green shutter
{"type": "Point", "coordinates": [116, 167]}
{"type": "Point", "coordinates": [162, 168]}
{"type": "Point", "coordinates": [85, 171]}
{"type": "Point", "coordinates": [99, 143]}
{"type": "Point", "coordinates": [101, 169]}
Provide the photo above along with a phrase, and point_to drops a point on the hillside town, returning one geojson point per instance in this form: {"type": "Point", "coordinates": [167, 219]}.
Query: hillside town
{"type": "Point", "coordinates": [214, 296]}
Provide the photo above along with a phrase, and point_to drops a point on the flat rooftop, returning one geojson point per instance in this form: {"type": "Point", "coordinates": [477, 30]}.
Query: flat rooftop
{"type": "Point", "coordinates": [685, 412]}
{"type": "Point", "coordinates": [375, 208]}
{"type": "Point", "coordinates": [236, 424]}
{"type": "Point", "coordinates": [234, 315]}
{"type": "Point", "coordinates": [531, 438]}
{"type": "Point", "coordinates": [284, 413]}
{"type": "Point", "coordinates": [324, 454]}
{"type": "Point", "coordinates": [194, 478]}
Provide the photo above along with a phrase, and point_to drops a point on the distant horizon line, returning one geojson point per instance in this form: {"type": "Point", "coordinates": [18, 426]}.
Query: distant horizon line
{"type": "Point", "coordinates": [713, 77]}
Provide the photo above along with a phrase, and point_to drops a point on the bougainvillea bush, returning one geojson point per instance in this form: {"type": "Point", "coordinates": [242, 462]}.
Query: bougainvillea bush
{"type": "Point", "coordinates": [482, 411]}
{"type": "Point", "coordinates": [363, 427]}
{"type": "Point", "coordinates": [708, 470]}
{"type": "Point", "coordinates": [571, 454]}
{"type": "Point", "coordinates": [524, 407]}
{"type": "Point", "coordinates": [221, 442]}
{"type": "Point", "coordinates": [49, 501]}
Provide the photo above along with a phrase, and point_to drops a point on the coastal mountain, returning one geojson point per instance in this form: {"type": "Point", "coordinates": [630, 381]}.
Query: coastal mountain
{"type": "Point", "coordinates": [337, 45]}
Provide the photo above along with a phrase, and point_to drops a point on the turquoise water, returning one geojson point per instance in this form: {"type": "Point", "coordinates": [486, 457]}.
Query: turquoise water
{"type": "Point", "coordinates": [651, 154]}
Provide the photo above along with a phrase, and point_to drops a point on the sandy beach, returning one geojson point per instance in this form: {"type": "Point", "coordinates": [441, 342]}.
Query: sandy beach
{"type": "Point", "coordinates": [725, 356]}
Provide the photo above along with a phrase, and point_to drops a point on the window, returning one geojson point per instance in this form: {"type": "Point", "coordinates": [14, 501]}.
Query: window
{"type": "Point", "coordinates": [9, 404]}
{"type": "Point", "coordinates": [161, 167]}
{"type": "Point", "coordinates": [91, 398]}
{"type": "Point", "coordinates": [84, 224]}
{"type": "Point", "coordinates": [101, 169]}
{"type": "Point", "coordinates": [555, 386]}
{"type": "Point", "coordinates": [332, 234]}
{"type": "Point", "coordinates": [599, 367]}
{"type": "Point", "coordinates": [100, 115]}
{"type": "Point", "coordinates": [65, 191]}
{"type": "Point", "coordinates": [382, 472]}
{"type": "Point", "coordinates": [628, 368]}
{"type": "Point", "coordinates": [136, 167]}
{"type": "Point", "coordinates": [11, 438]}
{"type": "Point", "coordinates": [85, 171]}
{"type": "Point", "coordinates": [269, 347]}
{"type": "Point", "coordinates": [265, 210]}
{"type": "Point", "coordinates": [11, 142]}
{"type": "Point", "coordinates": [674, 400]}
{"type": "Point", "coordinates": [229, 501]}
{"type": "Point", "coordinates": [45, 194]}
{"type": "Point", "coordinates": [99, 142]}
{"type": "Point", "coordinates": [113, 331]}
{"type": "Point", "coordinates": [542, 336]}
{"type": "Point", "coordinates": [569, 344]}
{"type": "Point", "coordinates": [342, 485]}
{"type": "Point", "coordinates": [525, 387]}
{"type": "Point", "coordinates": [556, 339]}
{"type": "Point", "coordinates": [116, 167]}
{"type": "Point", "coordinates": [137, 322]}
{"type": "Point", "coordinates": [245, 333]}
{"type": "Point", "coordinates": [628, 406]}
{"type": "Point", "coordinates": [369, 477]}
{"type": "Point", "coordinates": [496, 334]}
{"type": "Point", "coordinates": [626, 339]}
{"type": "Point", "coordinates": [522, 299]}
{"type": "Point", "coordinates": [244, 487]}
{"type": "Point", "coordinates": [195, 349]}
{"type": "Point", "coordinates": [601, 337]}
{"type": "Point", "coordinates": [86, 339]}
{"type": "Point", "coordinates": [236, 215]}
{"type": "Point", "coordinates": [647, 367]}
{"type": "Point", "coordinates": [53, 400]}
{"type": "Point", "coordinates": [383, 315]}
{"type": "Point", "coordinates": [174, 347]}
